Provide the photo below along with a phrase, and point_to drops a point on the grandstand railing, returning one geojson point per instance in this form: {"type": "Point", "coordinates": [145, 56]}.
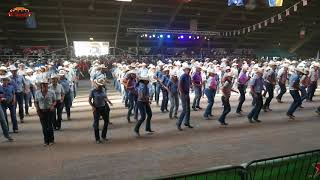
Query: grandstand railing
{"type": "Point", "coordinates": [31, 57]}
{"type": "Point", "coordinates": [298, 166]}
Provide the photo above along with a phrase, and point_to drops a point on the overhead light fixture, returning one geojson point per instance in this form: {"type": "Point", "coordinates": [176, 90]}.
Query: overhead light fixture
{"type": "Point", "coordinates": [125, 0]}
{"type": "Point", "coordinates": [91, 39]}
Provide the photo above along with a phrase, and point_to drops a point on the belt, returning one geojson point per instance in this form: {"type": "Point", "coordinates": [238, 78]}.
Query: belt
{"type": "Point", "coordinates": [44, 110]}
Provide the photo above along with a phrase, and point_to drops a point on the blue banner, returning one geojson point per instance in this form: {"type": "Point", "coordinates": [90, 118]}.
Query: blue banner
{"type": "Point", "coordinates": [275, 3]}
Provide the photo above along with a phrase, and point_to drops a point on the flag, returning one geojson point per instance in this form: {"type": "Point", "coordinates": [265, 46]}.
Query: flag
{"type": "Point", "coordinates": [243, 31]}
{"type": "Point", "coordinates": [304, 2]}
{"type": "Point", "coordinates": [235, 2]}
{"type": "Point", "coordinates": [295, 7]}
{"type": "Point", "coordinates": [31, 21]}
{"type": "Point", "coordinates": [272, 19]}
{"type": "Point", "coordinates": [234, 32]}
{"type": "Point", "coordinates": [317, 58]}
{"type": "Point", "coordinates": [275, 3]}
{"type": "Point", "coordinates": [266, 23]}
{"type": "Point", "coordinates": [239, 32]}
{"type": "Point", "coordinates": [259, 25]}
{"type": "Point", "coordinates": [254, 27]}
{"type": "Point", "coordinates": [287, 12]}
{"type": "Point", "coordinates": [279, 17]}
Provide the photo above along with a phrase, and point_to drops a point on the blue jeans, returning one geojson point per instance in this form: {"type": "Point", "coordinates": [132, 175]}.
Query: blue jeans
{"type": "Point", "coordinates": [27, 98]}
{"type": "Point", "coordinates": [67, 103]}
{"type": "Point", "coordinates": [157, 92]}
{"type": "Point", "coordinates": [311, 90]}
{"type": "Point", "coordinates": [12, 109]}
{"type": "Point", "coordinates": [46, 119]}
{"type": "Point", "coordinates": [185, 114]}
{"type": "Point", "coordinates": [296, 101]}
{"type": "Point", "coordinates": [197, 97]}
{"type": "Point", "coordinates": [174, 101]}
{"type": "Point", "coordinates": [104, 112]}
{"type": "Point", "coordinates": [304, 94]}
{"type": "Point", "coordinates": [132, 106]}
{"type": "Point", "coordinates": [19, 97]}
{"type": "Point", "coordinates": [226, 109]}
{"type": "Point", "coordinates": [4, 125]}
{"type": "Point", "coordinates": [270, 89]}
{"type": "Point", "coordinates": [58, 115]}
{"type": "Point", "coordinates": [145, 110]}
{"type": "Point", "coordinates": [210, 95]}
{"type": "Point", "coordinates": [283, 90]}
{"type": "Point", "coordinates": [165, 99]}
{"type": "Point", "coordinates": [254, 114]}
{"type": "Point", "coordinates": [242, 98]}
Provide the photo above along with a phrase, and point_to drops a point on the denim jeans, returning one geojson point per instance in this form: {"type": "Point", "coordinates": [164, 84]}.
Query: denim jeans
{"type": "Point", "coordinates": [12, 109]}
{"type": "Point", "coordinates": [67, 103]}
{"type": "Point", "coordinates": [304, 93]}
{"type": "Point", "coordinates": [270, 89]}
{"type": "Point", "coordinates": [104, 112]}
{"type": "Point", "coordinates": [132, 105]}
{"type": "Point", "coordinates": [58, 115]}
{"type": "Point", "coordinates": [197, 97]}
{"type": "Point", "coordinates": [311, 90]}
{"type": "Point", "coordinates": [242, 98]}
{"type": "Point", "coordinates": [174, 101]}
{"type": "Point", "coordinates": [185, 114]}
{"type": "Point", "coordinates": [145, 112]}
{"type": "Point", "coordinates": [27, 97]}
{"type": "Point", "coordinates": [4, 124]}
{"type": "Point", "coordinates": [226, 109]}
{"type": "Point", "coordinates": [46, 119]}
{"type": "Point", "coordinates": [254, 114]}
{"type": "Point", "coordinates": [296, 101]}
{"type": "Point", "coordinates": [210, 96]}
{"type": "Point", "coordinates": [165, 99]}
{"type": "Point", "coordinates": [19, 97]}
{"type": "Point", "coordinates": [283, 90]}
{"type": "Point", "coordinates": [157, 92]}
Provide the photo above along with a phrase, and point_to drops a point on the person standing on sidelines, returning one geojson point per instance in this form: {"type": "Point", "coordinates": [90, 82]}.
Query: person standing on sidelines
{"type": "Point", "coordinates": [59, 92]}
{"type": "Point", "coordinates": [242, 86]}
{"type": "Point", "coordinates": [184, 90]}
{"type": "Point", "coordinates": [45, 101]}
{"type": "Point", "coordinates": [294, 86]}
{"type": "Point", "coordinates": [99, 102]}
{"type": "Point", "coordinates": [210, 91]}
{"type": "Point", "coordinates": [143, 105]}
{"type": "Point", "coordinates": [256, 87]}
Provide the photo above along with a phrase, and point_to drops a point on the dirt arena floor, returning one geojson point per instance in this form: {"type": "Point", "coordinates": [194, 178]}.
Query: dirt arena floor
{"type": "Point", "coordinates": [76, 155]}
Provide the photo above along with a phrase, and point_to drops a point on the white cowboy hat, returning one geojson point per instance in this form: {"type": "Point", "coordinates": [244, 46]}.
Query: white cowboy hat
{"type": "Point", "coordinates": [210, 70]}
{"type": "Point", "coordinates": [185, 66]}
{"type": "Point", "coordinates": [5, 77]}
{"type": "Point", "coordinates": [29, 70]}
{"type": "Point", "coordinates": [62, 73]}
{"type": "Point", "coordinates": [44, 81]}
{"type": "Point", "coordinates": [54, 76]}
{"type": "Point", "coordinates": [12, 68]}
{"type": "Point", "coordinates": [100, 82]}
{"type": "Point", "coordinates": [300, 69]}
{"type": "Point", "coordinates": [3, 68]}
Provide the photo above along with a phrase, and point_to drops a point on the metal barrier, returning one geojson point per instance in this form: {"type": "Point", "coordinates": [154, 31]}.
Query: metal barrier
{"type": "Point", "coordinates": [299, 166]}
{"type": "Point", "coordinates": [289, 167]}
{"type": "Point", "coordinates": [218, 173]}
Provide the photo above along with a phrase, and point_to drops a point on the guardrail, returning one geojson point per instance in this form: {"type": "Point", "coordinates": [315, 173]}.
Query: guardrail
{"type": "Point", "coordinates": [298, 166]}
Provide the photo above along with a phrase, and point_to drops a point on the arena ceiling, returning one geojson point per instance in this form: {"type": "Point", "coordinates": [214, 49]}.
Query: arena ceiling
{"type": "Point", "coordinates": [98, 19]}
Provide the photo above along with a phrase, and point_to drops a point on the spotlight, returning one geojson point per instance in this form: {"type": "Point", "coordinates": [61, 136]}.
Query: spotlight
{"type": "Point", "coordinates": [142, 35]}
{"type": "Point", "coordinates": [181, 36]}
{"type": "Point", "coordinates": [161, 36]}
{"type": "Point", "coordinates": [150, 37]}
{"type": "Point", "coordinates": [190, 37]}
{"type": "Point", "coordinates": [205, 37]}
{"type": "Point", "coordinates": [168, 36]}
{"type": "Point", "coordinates": [91, 38]}
{"type": "Point", "coordinates": [178, 37]}
{"type": "Point", "coordinates": [198, 37]}
{"type": "Point", "coordinates": [153, 35]}
{"type": "Point", "coordinates": [145, 35]}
